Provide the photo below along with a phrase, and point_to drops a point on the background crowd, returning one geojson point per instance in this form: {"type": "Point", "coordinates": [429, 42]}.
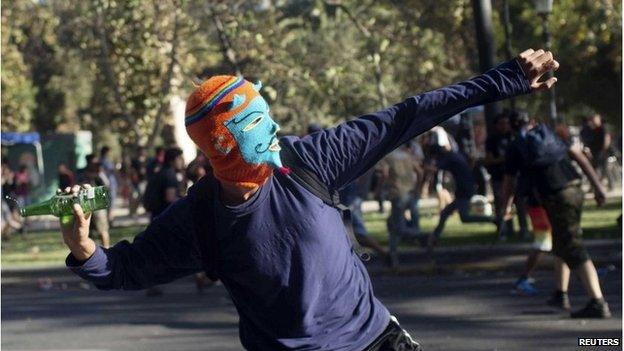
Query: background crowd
{"type": "Point", "coordinates": [448, 164]}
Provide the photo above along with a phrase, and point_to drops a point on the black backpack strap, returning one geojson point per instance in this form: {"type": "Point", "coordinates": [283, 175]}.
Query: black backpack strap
{"type": "Point", "coordinates": [307, 178]}
{"type": "Point", "coordinates": [204, 221]}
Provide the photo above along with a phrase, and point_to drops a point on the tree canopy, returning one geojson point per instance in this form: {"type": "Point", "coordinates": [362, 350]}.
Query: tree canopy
{"type": "Point", "coordinates": [111, 66]}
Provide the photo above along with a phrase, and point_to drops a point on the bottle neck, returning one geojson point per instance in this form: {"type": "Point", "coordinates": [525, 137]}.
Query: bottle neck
{"type": "Point", "coordinates": [42, 208]}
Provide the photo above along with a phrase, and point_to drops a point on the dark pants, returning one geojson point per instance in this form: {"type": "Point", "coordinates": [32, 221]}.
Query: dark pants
{"type": "Point", "coordinates": [394, 338]}
{"type": "Point", "coordinates": [462, 205]}
{"type": "Point", "coordinates": [564, 212]}
{"type": "Point", "coordinates": [414, 212]}
{"type": "Point", "coordinates": [398, 226]}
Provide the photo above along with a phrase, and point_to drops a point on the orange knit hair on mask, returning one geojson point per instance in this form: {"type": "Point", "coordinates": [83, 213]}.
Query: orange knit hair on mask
{"type": "Point", "coordinates": [207, 110]}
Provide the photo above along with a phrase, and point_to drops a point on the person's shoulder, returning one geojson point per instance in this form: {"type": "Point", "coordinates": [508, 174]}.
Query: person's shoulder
{"type": "Point", "coordinates": [289, 139]}
{"type": "Point", "coordinates": [289, 143]}
{"type": "Point", "coordinates": [181, 206]}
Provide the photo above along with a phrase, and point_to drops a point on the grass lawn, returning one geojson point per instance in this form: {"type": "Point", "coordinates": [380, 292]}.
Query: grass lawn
{"type": "Point", "coordinates": [47, 248]}
{"type": "Point", "coordinates": [597, 223]}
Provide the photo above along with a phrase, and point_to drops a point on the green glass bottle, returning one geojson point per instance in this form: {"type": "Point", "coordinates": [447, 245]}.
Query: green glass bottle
{"type": "Point", "coordinates": [90, 200]}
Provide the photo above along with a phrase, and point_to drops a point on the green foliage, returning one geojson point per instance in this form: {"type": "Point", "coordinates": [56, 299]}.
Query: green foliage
{"type": "Point", "coordinates": [128, 46]}
{"type": "Point", "coordinates": [587, 39]}
{"type": "Point", "coordinates": [112, 65]}
{"type": "Point", "coordinates": [18, 92]}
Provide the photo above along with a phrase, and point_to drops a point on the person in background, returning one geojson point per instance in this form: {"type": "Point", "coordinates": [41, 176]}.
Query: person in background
{"type": "Point", "coordinates": [111, 173]}
{"type": "Point", "coordinates": [9, 218]}
{"type": "Point", "coordinates": [80, 173]}
{"type": "Point", "coordinates": [169, 182]}
{"type": "Point", "coordinates": [434, 178]}
{"type": "Point", "coordinates": [399, 177]}
{"type": "Point", "coordinates": [9, 224]}
{"type": "Point", "coordinates": [455, 163]}
{"type": "Point", "coordinates": [379, 191]}
{"type": "Point", "coordinates": [124, 185]}
{"type": "Point", "coordinates": [597, 138]}
{"type": "Point", "coordinates": [466, 145]}
{"type": "Point", "coordinates": [65, 176]}
{"type": "Point", "coordinates": [194, 172]}
{"type": "Point", "coordinates": [22, 185]}
{"type": "Point", "coordinates": [95, 175]}
{"type": "Point", "coordinates": [168, 185]}
{"type": "Point", "coordinates": [200, 163]}
{"type": "Point", "coordinates": [137, 175]}
{"type": "Point", "coordinates": [351, 196]}
{"type": "Point", "coordinates": [8, 178]}
{"type": "Point", "coordinates": [8, 187]}
{"type": "Point", "coordinates": [495, 148]}
{"type": "Point", "coordinates": [542, 162]}
{"type": "Point", "coordinates": [418, 156]}
{"type": "Point", "coordinates": [155, 163]}
{"type": "Point", "coordinates": [542, 244]}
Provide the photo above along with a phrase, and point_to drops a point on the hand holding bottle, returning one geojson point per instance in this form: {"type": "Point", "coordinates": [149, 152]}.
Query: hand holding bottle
{"type": "Point", "coordinates": [75, 228]}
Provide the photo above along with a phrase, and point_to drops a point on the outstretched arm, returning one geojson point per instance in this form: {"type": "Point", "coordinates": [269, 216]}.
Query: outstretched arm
{"type": "Point", "coordinates": [162, 253]}
{"type": "Point", "coordinates": [343, 153]}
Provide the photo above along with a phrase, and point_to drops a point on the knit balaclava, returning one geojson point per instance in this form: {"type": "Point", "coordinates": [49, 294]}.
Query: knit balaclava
{"type": "Point", "coordinates": [229, 121]}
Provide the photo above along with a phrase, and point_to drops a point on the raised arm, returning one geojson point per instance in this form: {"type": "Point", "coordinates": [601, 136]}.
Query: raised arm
{"type": "Point", "coordinates": [343, 153]}
{"type": "Point", "coordinates": [165, 251]}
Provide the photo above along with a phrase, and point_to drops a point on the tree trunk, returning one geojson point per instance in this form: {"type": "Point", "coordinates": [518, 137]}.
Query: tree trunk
{"type": "Point", "coordinates": [226, 45]}
{"type": "Point", "coordinates": [375, 54]}
{"type": "Point", "coordinates": [166, 87]}
{"type": "Point", "coordinates": [109, 73]}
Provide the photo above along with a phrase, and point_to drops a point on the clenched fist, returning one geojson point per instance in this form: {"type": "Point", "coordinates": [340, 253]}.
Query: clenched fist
{"type": "Point", "coordinates": [535, 64]}
{"type": "Point", "coordinates": [76, 229]}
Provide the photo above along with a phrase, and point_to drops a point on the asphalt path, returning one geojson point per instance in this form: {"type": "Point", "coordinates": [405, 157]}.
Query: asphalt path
{"type": "Point", "coordinates": [460, 310]}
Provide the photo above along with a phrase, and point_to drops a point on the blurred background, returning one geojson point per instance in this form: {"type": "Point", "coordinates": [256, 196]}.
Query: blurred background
{"type": "Point", "coordinates": [122, 69]}
{"type": "Point", "coordinates": [100, 86]}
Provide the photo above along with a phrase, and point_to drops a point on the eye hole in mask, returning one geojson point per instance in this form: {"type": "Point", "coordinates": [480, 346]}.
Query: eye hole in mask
{"type": "Point", "coordinates": [253, 123]}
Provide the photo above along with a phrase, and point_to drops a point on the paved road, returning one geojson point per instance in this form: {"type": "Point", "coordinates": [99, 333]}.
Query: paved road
{"type": "Point", "coordinates": [460, 310]}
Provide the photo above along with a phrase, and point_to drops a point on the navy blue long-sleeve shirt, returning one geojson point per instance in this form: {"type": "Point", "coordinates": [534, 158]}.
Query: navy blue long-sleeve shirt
{"type": "Point", "coordinates": [284, 256]}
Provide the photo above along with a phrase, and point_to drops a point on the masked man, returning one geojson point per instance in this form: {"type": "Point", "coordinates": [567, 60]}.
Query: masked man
{"type": "Point", "coordinates": [284, 257]}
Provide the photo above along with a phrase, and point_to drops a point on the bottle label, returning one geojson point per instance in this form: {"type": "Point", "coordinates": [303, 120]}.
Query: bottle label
{"type": "Point", "coordinates": [91, 193]}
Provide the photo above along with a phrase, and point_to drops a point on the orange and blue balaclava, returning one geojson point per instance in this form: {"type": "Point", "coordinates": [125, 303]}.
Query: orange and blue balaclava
{"type": "Point", "coordinates": [230, 122]}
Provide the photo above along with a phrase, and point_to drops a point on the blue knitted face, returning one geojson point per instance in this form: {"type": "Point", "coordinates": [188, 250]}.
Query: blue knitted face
{"type": "Point", "coordinates": [255, 132]}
